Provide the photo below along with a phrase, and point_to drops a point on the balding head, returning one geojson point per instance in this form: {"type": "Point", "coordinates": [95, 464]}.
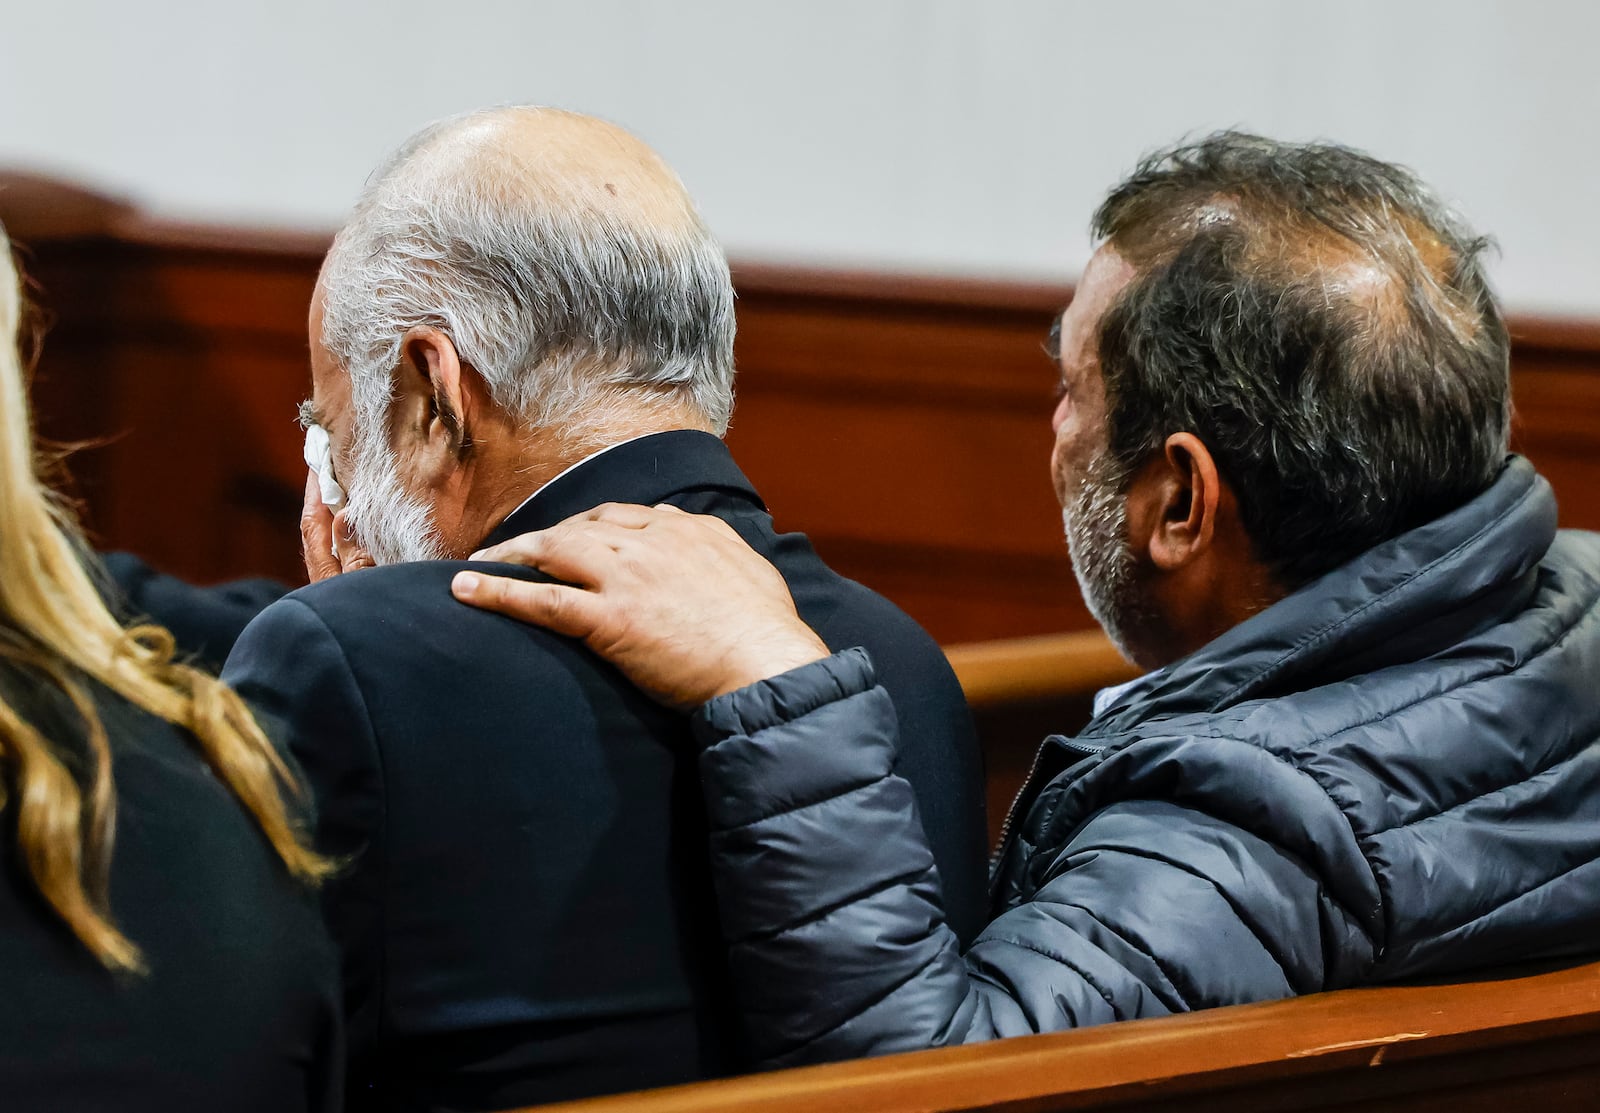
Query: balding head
{"type": "Point", "coordinates": [559, 252]}
{"type": "Point", "coordinates": [544, 158]}
{"type": "Point", "coordinates": [559, 258]}
{"type": "Point", "coordinates": [1323, 323]}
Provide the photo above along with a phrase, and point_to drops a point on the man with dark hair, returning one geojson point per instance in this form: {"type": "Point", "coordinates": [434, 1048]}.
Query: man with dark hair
{"type": "Point", "coordinates": [1369, 745]}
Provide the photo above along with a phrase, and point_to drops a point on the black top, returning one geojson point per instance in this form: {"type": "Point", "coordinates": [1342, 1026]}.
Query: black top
{"type": "Point", "coordinates": [239, 1009]}
{"type": "Point", "coordinates": [528, 914]}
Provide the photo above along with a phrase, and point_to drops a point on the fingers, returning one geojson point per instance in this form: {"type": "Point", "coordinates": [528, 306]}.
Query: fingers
{"type": "Point", "coordinates": [327, 541]}
{"type": "Point", "coordinates": [527, 549]}
{"type": "Point", "coordinates": [677, 601]}
{"type": "Point", "coordinates": [673, 517]}
{"type": "Point", "coordinates": [316, 534]}
{"type": "Point", "coordinates": [578, 550]}
{"type": "Point", "coordinates": [663, 515]}
{"type": "Point", "coordinates": [625, 514]}
{"type": "Point", "coordinates": [716, 525]}
{"type": "Point", "coordinates": [611, 520]}
{"type": "Point", "coordinates": [351, 555]}
{"type": "Point", "coordinates": [566, 610]}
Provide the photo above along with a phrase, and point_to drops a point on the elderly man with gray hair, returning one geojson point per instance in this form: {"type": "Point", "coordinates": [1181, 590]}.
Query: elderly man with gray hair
{"type": "Point", "coordinates": [524, 318]}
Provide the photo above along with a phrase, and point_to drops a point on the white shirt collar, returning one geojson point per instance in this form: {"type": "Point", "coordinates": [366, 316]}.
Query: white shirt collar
{"type": "Point", "coordinates": [1105, 697]}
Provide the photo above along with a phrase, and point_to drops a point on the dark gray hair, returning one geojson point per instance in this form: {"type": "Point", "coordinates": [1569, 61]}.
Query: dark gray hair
{"type": "Point", "coordinates": [555, 308]}
{"type": "Point", "coordinates": [1322, 322]}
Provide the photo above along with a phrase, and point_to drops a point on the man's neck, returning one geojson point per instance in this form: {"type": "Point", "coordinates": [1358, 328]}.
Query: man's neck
{"type": "Point", "coordinates": [573, 467]}
{"type": "Point", "coordinates": [1190, 612]}
{"type": "Point", "coordinates": [543, 455]}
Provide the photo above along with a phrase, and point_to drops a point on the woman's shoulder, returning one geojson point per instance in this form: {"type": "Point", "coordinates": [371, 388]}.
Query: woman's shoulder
{"type": "Point", "coordinates": [233, 948]}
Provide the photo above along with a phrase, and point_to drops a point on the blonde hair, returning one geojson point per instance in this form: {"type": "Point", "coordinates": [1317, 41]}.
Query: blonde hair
{"type": "Point", "coordinates": [54, 624]}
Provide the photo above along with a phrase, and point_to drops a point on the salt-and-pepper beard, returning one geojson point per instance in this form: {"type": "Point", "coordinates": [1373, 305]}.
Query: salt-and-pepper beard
{"type": "Point", "coordinates": [391, 525]}
{"type": "Point", "coordinates": [1096, 524]}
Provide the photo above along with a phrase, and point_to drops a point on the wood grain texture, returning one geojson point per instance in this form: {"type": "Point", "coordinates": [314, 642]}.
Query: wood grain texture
{"type": "Point", "coordinates": [1522, 1042]}
{"type": "Point", "coordinates": [901, 421]}
{"type": "Point", "coordinates": [1007, 671]}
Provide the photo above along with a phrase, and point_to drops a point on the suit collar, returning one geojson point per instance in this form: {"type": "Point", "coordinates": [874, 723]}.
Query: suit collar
{"type": "Point", "coordinates": [648, 470]}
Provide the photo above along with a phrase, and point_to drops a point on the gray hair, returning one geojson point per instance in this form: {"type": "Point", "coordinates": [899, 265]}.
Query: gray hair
{"type": "Point", "coordinates": [559, 308]}
{"type": "Point", "coordinates": [1323, 323]}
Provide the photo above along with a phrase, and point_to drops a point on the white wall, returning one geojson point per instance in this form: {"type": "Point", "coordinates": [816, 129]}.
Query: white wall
{"type": "Point", "coordinates": [955, 135]}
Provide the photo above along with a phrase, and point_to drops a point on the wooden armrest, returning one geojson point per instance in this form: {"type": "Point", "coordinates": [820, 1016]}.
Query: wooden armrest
{"type": "Point", "coordinates": [1054, 666]}
{"type": "Point", "coordinates": [1467, 1048]}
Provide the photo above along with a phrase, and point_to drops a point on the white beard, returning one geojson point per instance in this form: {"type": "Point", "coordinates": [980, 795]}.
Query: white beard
{"type": "Point", "coordinates": [1096, 525]}
{"type": "Point", "coordinates": [391, 525]}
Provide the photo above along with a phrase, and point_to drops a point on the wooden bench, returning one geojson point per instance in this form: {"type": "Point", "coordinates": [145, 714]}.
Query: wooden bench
{"type": "Point", "coordinates": [1526, 1044]}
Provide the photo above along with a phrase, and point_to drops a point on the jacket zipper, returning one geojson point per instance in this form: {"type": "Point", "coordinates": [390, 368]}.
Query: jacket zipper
{"type": "Point", "coordinates": [1086, 749]}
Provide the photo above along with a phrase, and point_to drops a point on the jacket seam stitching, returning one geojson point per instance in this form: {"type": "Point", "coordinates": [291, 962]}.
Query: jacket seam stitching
{"type": "Point", "coordinates": [1427, 571]}
{"type": "Point", "coordinates": [1497, 790]}
{"type": "Point", "coordinates": [816, 916]}
{"type": "Point", "coordinates": [1022, 944]}
{"type": "Point", "coordinates": [1375, 913]}
{"type": "Point", "coordinates": [795, 809]}
{"type": "Point", "coordinates": [1533, 775]}
{"type": "Point", "coordinates": [1511, 900]}
{"type": "Point", "coordinates": [377, 754]}
{"type": "Point", "coordinates": [857, 1013]}
{"type": "Point", "coordinates": [1183, 867]}
{"type": "Point", "coordinates": [1178, 991]}
{"type": "Point", "coordinates": [830, 690]}
{"type": "Point", "coordinates": [1537, 652]}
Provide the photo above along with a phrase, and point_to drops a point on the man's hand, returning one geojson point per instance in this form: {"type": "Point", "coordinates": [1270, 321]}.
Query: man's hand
{"type": "Point", "coordinates": [676, 601]}
{"type": "Point", "coordinates": [326, 542]}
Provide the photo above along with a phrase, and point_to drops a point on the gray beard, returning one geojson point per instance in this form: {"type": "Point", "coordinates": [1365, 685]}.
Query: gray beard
{"type": "Point", "coordinates": [391, 525]}
{"type": "Point", "coordinates": [1096, 524]}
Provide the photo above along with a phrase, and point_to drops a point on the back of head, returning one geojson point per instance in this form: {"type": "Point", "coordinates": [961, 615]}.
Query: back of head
{"type": "Point", "coordinates": [558, 252]}
{"type": "Point", "coordinates": [1323, 323]}
{"type": "Point", "coordinates": [56, 636]}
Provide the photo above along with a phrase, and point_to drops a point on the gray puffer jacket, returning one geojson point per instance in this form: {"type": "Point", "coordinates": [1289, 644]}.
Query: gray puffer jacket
{"type": "Point", "coordinates": [1394, 772]}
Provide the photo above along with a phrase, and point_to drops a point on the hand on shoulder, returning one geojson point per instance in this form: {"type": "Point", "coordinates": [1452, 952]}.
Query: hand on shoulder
{"type": "Point", "coordinates": [677, 601]}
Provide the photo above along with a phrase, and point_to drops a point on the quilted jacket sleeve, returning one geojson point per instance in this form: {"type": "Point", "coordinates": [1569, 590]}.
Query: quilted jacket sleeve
{"type": "Point", "coordinates": [831, 907]}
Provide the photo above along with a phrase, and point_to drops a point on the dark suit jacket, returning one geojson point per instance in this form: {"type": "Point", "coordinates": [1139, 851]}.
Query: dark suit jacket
{"type": "Point", "coordinates": [204, 621]}
{"type": "Point", "coordinates": [239, 1007]}
{"type": "Point", "coordinates": [528, 914]}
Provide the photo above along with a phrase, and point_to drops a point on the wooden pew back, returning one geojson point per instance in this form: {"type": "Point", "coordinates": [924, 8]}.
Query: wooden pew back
{"type": "Point", "coordinates": [1519, 1043]}
{"type": "Point", "coordinates": [901, 421]}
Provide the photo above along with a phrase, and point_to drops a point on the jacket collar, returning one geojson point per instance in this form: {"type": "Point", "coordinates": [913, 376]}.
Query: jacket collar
{"type": "Point", "coordinates": [1400, 601]}
{"type": "Point", "coordinates": [648, 470]}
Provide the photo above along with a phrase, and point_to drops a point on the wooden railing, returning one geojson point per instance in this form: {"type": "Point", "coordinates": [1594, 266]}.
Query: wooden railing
{"type": "Point", "coordinates": [1050, 667]}
{"type": "Point", "coordinates": [1528, 1043]}
{"type": "Point", "coordinates": [901, 421]}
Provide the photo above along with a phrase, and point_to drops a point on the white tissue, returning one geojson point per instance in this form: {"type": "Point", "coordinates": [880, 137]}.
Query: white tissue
{"type": "Point", "coordinates": [319, 458]}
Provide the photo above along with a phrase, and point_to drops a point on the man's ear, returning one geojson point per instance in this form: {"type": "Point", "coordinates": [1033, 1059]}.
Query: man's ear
{"type": "Point", "coordinates": [431, 411]}
{"type": "Point", "coordinates": [1175, 502]}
